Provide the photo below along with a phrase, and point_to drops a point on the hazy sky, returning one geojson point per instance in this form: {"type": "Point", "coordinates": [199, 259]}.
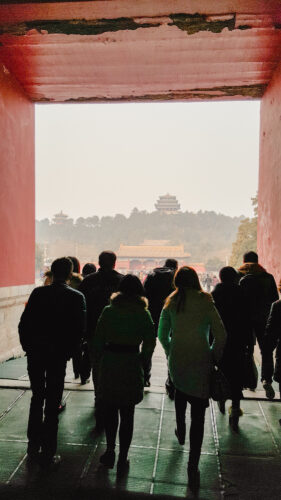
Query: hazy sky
{"type": "Point", "coordinates": [103, 159]}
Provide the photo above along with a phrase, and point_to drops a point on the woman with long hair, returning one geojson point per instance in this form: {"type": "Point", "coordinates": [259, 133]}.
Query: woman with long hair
{"type": "Point", "coordinates": [123, 327]}
{"type": "Point", "coordinates": [188, 317]}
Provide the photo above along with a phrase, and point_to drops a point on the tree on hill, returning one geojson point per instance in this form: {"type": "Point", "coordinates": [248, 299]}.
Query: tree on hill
{"type": "Point", "coordinates": [246, 239]}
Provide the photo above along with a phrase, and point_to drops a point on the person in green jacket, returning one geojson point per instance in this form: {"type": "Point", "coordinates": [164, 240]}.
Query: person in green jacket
{"type": "Point", "coordinates": [123, 327]}
{"type": "Point", "coordinates": [188, 317]}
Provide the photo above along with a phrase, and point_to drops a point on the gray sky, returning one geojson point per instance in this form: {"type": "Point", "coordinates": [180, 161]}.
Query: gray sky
{"type": "Point", "coordinates": [103, 159]}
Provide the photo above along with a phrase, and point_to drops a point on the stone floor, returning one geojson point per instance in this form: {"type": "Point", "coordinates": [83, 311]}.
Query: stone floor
{"type": "Point", "coordinates": [243, 465]}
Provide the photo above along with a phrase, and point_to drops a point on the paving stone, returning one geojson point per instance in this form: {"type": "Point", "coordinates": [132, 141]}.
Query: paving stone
{"type": "Point", "coordinates": [146, 427]}
{"type": "Point", "coordinates": [151, 400]}
{"type": "Point", "coordinates": [14, 424]}
{"type": "Point", "coordinates": [14, 368]}
{"type": "Point", "coordinates": [172, 468]}
{"type": "Point", "coordinates": [7, 398]}
{"type": "Point", "coordinates": [251, 477]}
{"type": "Point", "coordinates": [11, 455]}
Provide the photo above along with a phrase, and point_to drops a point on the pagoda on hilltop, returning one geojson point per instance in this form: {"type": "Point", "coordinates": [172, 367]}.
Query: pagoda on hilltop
{"type": "Point", "coordinates": [167, 204]}
{"type": "Point", "coordinates": [60, 218]}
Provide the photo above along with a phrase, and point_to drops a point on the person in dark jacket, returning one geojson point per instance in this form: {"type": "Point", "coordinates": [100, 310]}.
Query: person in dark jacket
{"type": "Point", "coordinates": [260, 291]}
{"type": "Point", "coordinates": [50, 329]}
{"type": "Point", "coordinates": [229, 301]}
{"type": "Point", "coordinates": [97, 289]}
{"type": "Point", "coordinates": [272, 340]}
{"type": "Point", "coordinates": [88, 268]}
{"type": "Point", "coordinates": [158, 285]}
{"type": "Point", "coordinates": [124, 337]}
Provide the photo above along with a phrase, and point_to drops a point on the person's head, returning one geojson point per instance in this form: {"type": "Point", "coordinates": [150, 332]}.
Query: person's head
{"type": "Point", "coordinates": [61, 269]}
{"type": "Point", "coordinates": [89, 268]}
{"type": "Point", "coordinates": [185, 278]}
{"type": "Point", "coordinates": [48, 278]}
{"type": "Point", "coordinates": [107, 260]}
{"type": "Point", "coordinates": [76, 264]}
{"type": "Point", "coordinates": [171, 263]}
{"type": "Point", "coordinates": [228, 274]}
{"type": "Point", "coordinates": [131, 286]}
{"type": "Point", "coordinates": [250, 257]}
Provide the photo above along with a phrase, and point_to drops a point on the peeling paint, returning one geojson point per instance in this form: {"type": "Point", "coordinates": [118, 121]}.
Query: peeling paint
{"type": "Point", "coordinates": [250, 91]}
{"type": "Point", "coordinates": [193, 23]}
{"type": "Point", "coordinates": [77, 26]}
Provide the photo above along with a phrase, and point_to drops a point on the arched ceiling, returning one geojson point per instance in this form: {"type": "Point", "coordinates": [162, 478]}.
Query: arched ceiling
{"type": "Point", "coordinates": [141, 49]}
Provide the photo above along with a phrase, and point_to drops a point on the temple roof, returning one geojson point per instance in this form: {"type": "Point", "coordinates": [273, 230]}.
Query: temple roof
{"type": "Point", "coordinates": [152, 251]}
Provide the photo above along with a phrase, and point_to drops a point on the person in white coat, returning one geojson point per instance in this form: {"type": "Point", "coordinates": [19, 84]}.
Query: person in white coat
{"type": "Point", "coordinates": [187, 319]}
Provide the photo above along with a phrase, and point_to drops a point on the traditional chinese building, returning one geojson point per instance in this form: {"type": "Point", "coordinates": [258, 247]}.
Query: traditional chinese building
{"type": "Point", "coordinates": [167, 204]}
{"type": "Point", "coordinates": [148, 255]}
{"type": "Point", "coordinates": [60, 218]}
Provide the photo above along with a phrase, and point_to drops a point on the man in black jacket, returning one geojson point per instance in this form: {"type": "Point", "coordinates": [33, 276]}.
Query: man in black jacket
{"type": "Point", "coordinates": [158, 285]}
{"type": "Point", "coordinates": [51, 328]}
{"type": "Point", "coordinates": [272, 340]}
{"type": "Point", "coordinates": [260, 292]}
{"type": "Point", "coordinates": [98, 288]}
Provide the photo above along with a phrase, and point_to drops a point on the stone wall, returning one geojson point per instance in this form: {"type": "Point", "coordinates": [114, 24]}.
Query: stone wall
{"type": "Point", "coordinates": [12, 302]}
{"type": "Point", "coordinates": [269, 221]}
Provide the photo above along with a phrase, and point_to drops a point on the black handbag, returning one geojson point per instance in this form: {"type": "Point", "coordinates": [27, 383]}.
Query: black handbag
{"type": "Point", "coordinates": [219, 385]}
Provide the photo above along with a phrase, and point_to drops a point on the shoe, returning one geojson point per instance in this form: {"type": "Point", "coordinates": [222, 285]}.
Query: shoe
{"type": "Point", "coordinates": [147, 383]}
{"type": "Point", "coordinates": [279, 421]}
{"type": "Point", "coordinates": [108, 459]}
{"type": "Point", "coordinates": [221, 405]}
{"type": "Point", "coordinates": [269, 391]}
{"type": "Point", "coordinates": [193, 478]}
{"type": "Point", "coordinates": [122, 467]}
{"type": "Point", "coordinates": [49, 462]}
{"type": "Point", "coordinates": [170, 393]}
{"type": "Point", "coordinates": [85, 381]}
{"type": "Point", "coordinates": [62, 406]}
{"type": "Point", "coordinates": [181, 439]}
{"type": "Point", "coordinates": [33, 455]}
{"type": "Point", "coordinates": [76, 376]}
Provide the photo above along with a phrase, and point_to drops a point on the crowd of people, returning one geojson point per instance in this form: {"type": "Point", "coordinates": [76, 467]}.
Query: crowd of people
{"type": "Point", "coordinates": [108, 323]}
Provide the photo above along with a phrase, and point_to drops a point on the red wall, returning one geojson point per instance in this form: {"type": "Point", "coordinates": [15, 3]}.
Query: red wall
{"type": "Point", "coordinates": [269, 227]}
{"type": "Point", "coordinates": [17, 198]}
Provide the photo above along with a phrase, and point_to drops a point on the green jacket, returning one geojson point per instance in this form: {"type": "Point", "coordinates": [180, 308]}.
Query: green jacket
{"type": "Point", "coordinates": [125, 322]}
{"type": "Point", "coordinates": [185, 338]}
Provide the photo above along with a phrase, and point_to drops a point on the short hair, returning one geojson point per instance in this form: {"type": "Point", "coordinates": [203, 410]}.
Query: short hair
{"type": "Point", "coordinates": [131, 286]}
{"type": "Point", "coordinates": [88, 268]}
{"type": "Point", "coordinates": [76, 264]}
{"type": "Point", "coordinates": [62, 268]}
{"type": "Point", "coordinates": [171, 263]}
{"type": "Point", "coordinates": [250, 257]}
{"type": "Point", "coordinates": [107, 259]}
{"type": "Point", "coordinates": [228, 274]}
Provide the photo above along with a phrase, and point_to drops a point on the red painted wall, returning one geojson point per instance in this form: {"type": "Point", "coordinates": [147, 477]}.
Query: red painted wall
{"type": "Point", "coordinates": [269, 226]}
{"type": "Point", "coordinates": [17, 197]}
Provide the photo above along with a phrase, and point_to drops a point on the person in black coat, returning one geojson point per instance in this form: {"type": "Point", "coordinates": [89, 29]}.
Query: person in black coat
{"type": "Point", "coordinates": [260, 291]}
{"type": "Point", "coordinates": [97, 289]}
{"type": "Point", "coordinates": [158, 285]}
{"type": "Point", "coordinates": [273, 340]}
{"type": "Point", "coordinates": [50, 329]}
{"type": "Point", "coordinates": [229, 301]}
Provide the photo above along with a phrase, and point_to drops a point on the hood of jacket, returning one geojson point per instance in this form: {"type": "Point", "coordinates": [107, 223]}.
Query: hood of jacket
{"type": "Point", "coordinates": [251, 268]}
{"type": "Point", "coordinates": [119, 299]}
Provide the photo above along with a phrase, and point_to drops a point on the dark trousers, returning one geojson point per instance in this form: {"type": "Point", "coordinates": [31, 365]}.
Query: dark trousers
{"type": "Point", "coordinates": [111, 416]}
{"type": "Point", "coordinates": [81, 363]}
{"type": "Point", "coordinates": [46, 374]}
{"type": "Point", "coordinates": [196, 432]}
{"type": "Point", "coordinates": [267, 358]}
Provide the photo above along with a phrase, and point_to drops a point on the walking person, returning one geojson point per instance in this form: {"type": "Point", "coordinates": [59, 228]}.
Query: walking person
{"type": "Point", "coordinates": [272, 341]}
{"type": "Point", "coordinates": [123, 327]}
{"type": "Point", "coordinates": [260, 291]}
{"type": "Point", "coordinates": [229, 301]}
{"type": "Point", "coordinates": [158, 285]}
{"type": "Point", "coordinates": [97, 289]}
{"type": "Point", "coordinates": [185, 323]}
{"type": "Point", "coordinates": [51, 327]}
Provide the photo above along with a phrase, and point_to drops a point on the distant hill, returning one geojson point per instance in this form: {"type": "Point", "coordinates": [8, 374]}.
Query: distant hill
{"type": "Point", "coordinates": [205, 235]}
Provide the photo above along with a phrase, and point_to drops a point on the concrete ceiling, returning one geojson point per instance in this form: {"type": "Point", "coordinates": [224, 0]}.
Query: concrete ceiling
{"type": "Point", "coordinates": [141, 49]}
